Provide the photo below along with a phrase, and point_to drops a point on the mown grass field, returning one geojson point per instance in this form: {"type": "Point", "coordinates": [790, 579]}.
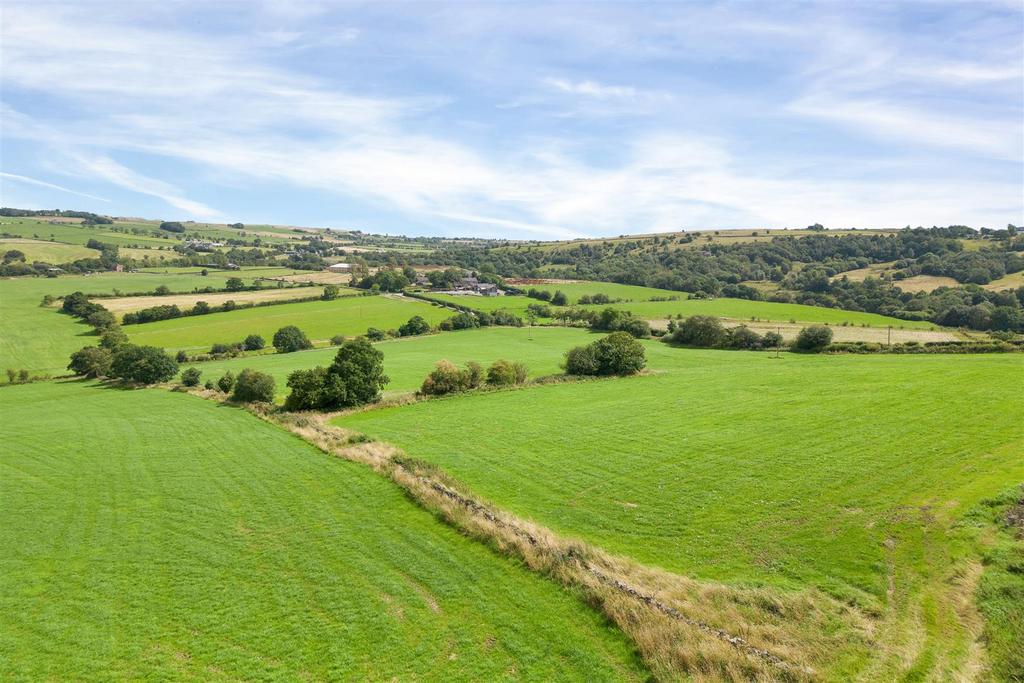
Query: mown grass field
{"type": "Point", "coordinates": [407, 361]}
{"type": "Point", "coordinates": [320, 320]}
{"type": "Point", "coordinates": [844, 473]}
{"type": "Point", "coordinates": [122, 305]}
{"type": "Point", "coordinates": [47, 252]}
{"type": "Point", "coordinates": [149, 535]}
{"type": "Point", "coordinates": [574, 290]}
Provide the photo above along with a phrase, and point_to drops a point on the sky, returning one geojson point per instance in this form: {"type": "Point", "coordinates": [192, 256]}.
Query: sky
{"type": "Point", "coordinates": [517, 120]}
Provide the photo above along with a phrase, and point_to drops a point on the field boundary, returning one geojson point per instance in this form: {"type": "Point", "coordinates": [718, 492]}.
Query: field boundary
{"type": "Point", "coordinates": [683, 628]}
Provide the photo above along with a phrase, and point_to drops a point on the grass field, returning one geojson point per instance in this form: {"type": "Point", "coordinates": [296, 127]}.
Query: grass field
{"type": "Point", "coordinates": [47, 252]}
{"type": "Point", "coordinates": [407, 361]}
{"type": "Point", "coordinates": [1011, 281]}
{"type": "Point", "coordinates": [574, 290]}
{"type": "Point", "coordinates": [320, 320]}
{"type": "Point", "coordinates": [925, 283]}
{"type": "Point", "coordinates": [123, 305]}
{"type": "Point", "coordinates": [169, 538]}
{"type": "Point", "coordinates": [845, 473]}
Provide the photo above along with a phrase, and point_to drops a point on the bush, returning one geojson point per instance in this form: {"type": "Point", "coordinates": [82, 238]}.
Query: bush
{"type": "Point", "coordinates": [330, 292]}
{"type": "Point", "coordinates": [254, 342]}
{"type": "Point", "coordinates": [289, 339]}
{"type": "Point", "coordinates": [374, 334]}
{"type": "Point", "coordinates": [743, 337]}
{"type": "Point", "coordinates": [617, 354]}
{"type": "Point", "coordinates": [226, 382]}
{"type": "Point", "coordinates": [460, 321]}
{"type": "Point", "coordinates": [190, 378]}
{"type": "Point", "coordinates": [415, 325]}
{"type": "Point", "coordinates": [253, 386]}
{"type": "Point", "coordinates": [771, 340]}
{"type": "Point", "coordinates": [234, 284]}
{"type": "Point", "coordinates": [181, 357]}
{"type": "Point", "coordinates": [559, 299]}
{"type": "Point", "coordinates": [143, 364]}
{"type": "Point", "coordinates": [210, 386]}
{"type": "Point", "coordinates": [702, 331]}
{"type": "Point", "coordinates": [636, 327]}
{"type": "Point", "coordinates": [446, 378]}
{"type": "Point", "coordinates": [91, 361]}
{"type": "Point", "coordinates": [112, 338]}
{"type": "Point", "coordinates": [813, 339]}
{"type": "Point", "coordinates": [506, 373]}
{"type": "Point", "coordinates": [355, 377]}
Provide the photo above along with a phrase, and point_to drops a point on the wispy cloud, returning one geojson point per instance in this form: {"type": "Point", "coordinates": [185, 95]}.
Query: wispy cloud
{"type": "Point", "coordinates": [51, 186]}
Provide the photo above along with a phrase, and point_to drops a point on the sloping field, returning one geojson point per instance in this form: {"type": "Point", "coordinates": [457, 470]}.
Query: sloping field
{"type": "Point", "coordinates": [574, 290]}
{"type": "Point", "coordinates": [320, 320]}
{"type": "Point", "coordinates": [47, 252]}
{"type": "Point", "coordinates": [407, 361]}
{"type": "Point", "coordinates": [169, 538]}
{"type": "Point", "coordinates": [1011, 281]}
{"type": "Point", "coordinates": [123, 305]}
{"type": "Point", "coordinates": [816, 453]}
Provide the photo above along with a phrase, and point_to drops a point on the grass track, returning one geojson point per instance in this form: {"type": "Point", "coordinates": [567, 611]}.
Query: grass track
{"type": "Point", "coordinates": [213, 546]}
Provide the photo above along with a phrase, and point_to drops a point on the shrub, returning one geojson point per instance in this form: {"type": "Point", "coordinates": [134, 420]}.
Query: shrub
{"type": "Point", "coordinates": [506, 373]}
{"type": "Point", "coordinates": [91, 361]}
{"type": "Point", "coordinates": [559, 299]}
{"type": "Point", "coordinates": [743, 337]}
{"type": "Point", "coordinates": [355, 377]}
{"type": "Point", "coordinates": [374, 334]}
{"type": "Point", "coordinates": [702, 331]}
{"type": "Point", "coordinates": [414, 326]}
{"type": "Point", "coordinates": [617, 354]}
{"type": "Point", "coordinates": [289, 339]}
{"type": "Point", "coordinates": [813, 339]}
{"type": "Point", "coordinates": [460, 321]}
{"type": "Point", "coordinates": [254, 342]}
{"type": "Point", "coordinates": [190, 378]}
{"type": "Point", "coordinates": [446, 378]}
{"type": "Point", "coordinates": [226, 382]}
{"type": "Point", "coordinates": [201, 308]}
{"type": "Point", "coordinates": [253, 386]}
{"type": "Point", "coordinates": [181, 357]}
{"type": "Point", "coordinates": [636, 327]}
{"type": "Point", "coordinates": [209, 385]}
{"type": "Point", "coordinates": [112, 338]}
{"type": "Point", "coordinates": [102, 320]}
{"type": "Point", "coordinates": [330, 292]}
{"type": "Point", "coordinates": [771, 340]}
{"type": "Point", "coordinates": [234, 284]}
{"type": "Point", "coordinates": [143, 364]}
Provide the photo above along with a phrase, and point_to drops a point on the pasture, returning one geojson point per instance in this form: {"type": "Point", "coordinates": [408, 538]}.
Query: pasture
{"type": "Point", "coordinates": [408, 360]}
{"type": "Point", "coordinates": [47, 252]}
{"type": "Point", "coordinates": [320, 320]}
{"type": "Point", "coordinates": [844, 473]}
{"type": "Point", "coordinates": [122, 305]}
{"type": "Point", "coordinates": [168, 537]}
{"type": "Point", "coordinates": [577, 288]}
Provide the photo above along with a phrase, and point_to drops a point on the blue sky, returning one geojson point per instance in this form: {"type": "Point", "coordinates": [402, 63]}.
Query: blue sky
{"type": "Point", "coordinates": [518, 120]}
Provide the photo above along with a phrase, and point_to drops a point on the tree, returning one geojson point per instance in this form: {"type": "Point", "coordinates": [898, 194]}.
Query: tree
{"type": "Point", "coordinates": [102, 320]}
{"type": "Point", "coordinates": [559, 299]}
{"type": "Point", "coordinates": [172, 226]}
{"type": "Point", "coordinates": [162, 290]}
{"type": "Point", "coordinates": [743, 337]}
{"type": "Point", "coordinates": [702, 331]}
{"type": "Point", "coordinates": [253, 386]}
{"type": "Point", "coordinates": [253, 342]}
{"type": "Point", "coordinates": [506, 373]}
{"type": "Point", "coordinates": [446, 378]}
{"type": "Point", "coordinates": [143, 364]}
{"type": "Point", "coordinates": [374, 334]}
{"type": "Point", "coordinates": [636, 327]}
{"type": "Point", "coordinates": [355, 377]}
{"type": "Point", "coordinates": [460, 321]}
{"type": "Point", "coordinates": [771, 340]}
{"type": "Point", "coordinates": [813, 339]}
{"type": "Point", "coordinates": [289, 339]}
{"type": "Point", "coordinates": [330, 293]}
{"type": "Point", "coordinates": [234, 284]}
{"type": "Point", "coordinates": [201, 308]}
{"type": "Point", "coordinates": [190, 378]}
{"type": "Point", "coordinates": [112, 338]}
{"type": "Point", "coordinates": [91, 361]}
{"type": "Point", "coordinates": [226, 382]}
{"type": "Point", "coordinates": [415, 325]}
{"type": "Point", "coordinates": [617, 354]}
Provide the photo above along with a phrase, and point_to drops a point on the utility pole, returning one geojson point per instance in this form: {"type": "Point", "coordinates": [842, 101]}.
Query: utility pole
{"type": "Point", "coordinates": [889, 338]}
{"type": "Point", "coordinates": [779, 345]}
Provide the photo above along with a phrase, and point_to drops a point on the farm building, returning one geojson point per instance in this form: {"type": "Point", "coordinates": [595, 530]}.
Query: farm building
{"type": "Point", "coordinates": [339, 267]}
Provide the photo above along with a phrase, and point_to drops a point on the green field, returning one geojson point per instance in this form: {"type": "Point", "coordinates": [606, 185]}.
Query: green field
{"type": "Point", "coordinates": [738, 309]}
{"type": "Point", "coordinates": [320, 320]}
{"type": "Point", "coordinates": [169, 538]}
{"type": "Point", "coordinates": [41, 339]}
{"type": "Point", "coordinates": [407, 361]}
{"type": "Point", "coordinates": [574, 290]}
{"type": "Point", "coordinates": [47, 252]}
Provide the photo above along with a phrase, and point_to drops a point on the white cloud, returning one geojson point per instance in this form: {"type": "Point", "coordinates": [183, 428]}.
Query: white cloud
{"type": "Point", "coordinates": [51, 186]}
{"type": "Point", "coordinates": [590, 88]}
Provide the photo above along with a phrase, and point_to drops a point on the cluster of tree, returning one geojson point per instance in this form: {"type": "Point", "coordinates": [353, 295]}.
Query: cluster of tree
{"type": "Point", "coordinates": [78, 305]}
{"type": "Point", "coordinates": [557, 299]}
{"type": "Point", "coordinates": [356, 377]}
{"type": "Point", "coordinates": [447, 378]}
{"type": "Point", "coordinates": [706, 332]}
{"type": "Point", "coordinates": [140, 364]}
{"type": "Point", "coordinates": [416, 325]}
{"type": "Point", "coordinates": [28, 213]}
{"type": "Point", "coordinates": [388, 280]}
{"type": "Point", "coordinates": [289, 339]}
{"type": "Point", "coordinates": [23, 376]}
{"type": "Point", "coordinates": [614, 320]}
{"type": "Point", "coordinates": [467, 321]}
{"type": "Point", "coordinates": [599, 298]}
{"type": "Point", "coordinates": [970, 267]}
{"type": "Point", "coordinates": [617, 354]}
{"type": "Point", "coordinates": [253, 342]}
{"type": "Point", "coordinates": [167, 312]}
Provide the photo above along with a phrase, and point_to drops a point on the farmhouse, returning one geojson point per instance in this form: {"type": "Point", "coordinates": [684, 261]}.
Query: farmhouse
{"type": "Point", "coordinates": [339, 267]}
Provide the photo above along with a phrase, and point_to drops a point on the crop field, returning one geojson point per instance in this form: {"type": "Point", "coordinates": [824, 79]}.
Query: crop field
{"type": "Point", "coordinates": [320, 320]}
{"type": "Point", "coordinates": [408, 360]}
{"type": "Point", "coordinates": [738, 467]}
{"type": "Point", "coordinates": [208, 545]}
{"type": "Point", "coordinates": [122, 305]}
{"type": "Point", "coordinates": [47, 252]}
